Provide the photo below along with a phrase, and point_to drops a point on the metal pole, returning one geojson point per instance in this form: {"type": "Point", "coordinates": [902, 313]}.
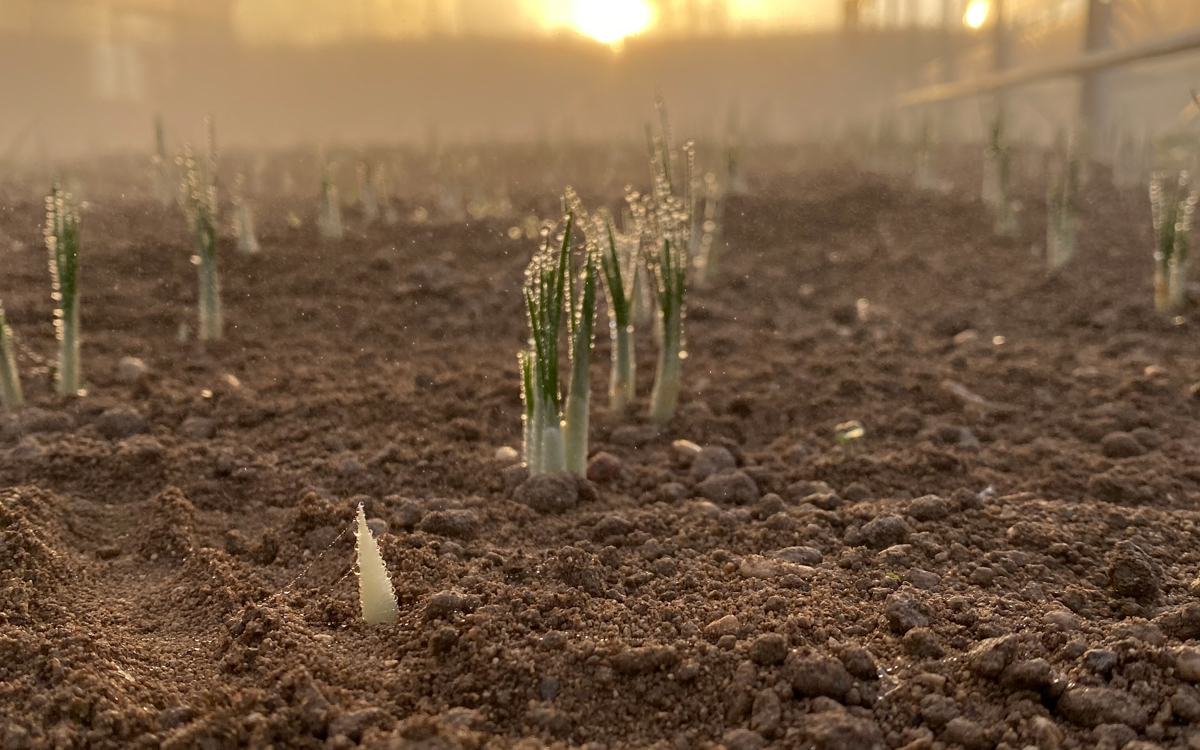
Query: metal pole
{"type": "Point", "coordinates": [1002, 53]}
{"type": "Point", "coordinates": [951, 23]}
{"type": "Point", "coordinates": [1111, 58]}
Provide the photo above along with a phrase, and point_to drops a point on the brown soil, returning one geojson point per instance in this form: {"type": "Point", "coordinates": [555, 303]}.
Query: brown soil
{"type": "Point", "coordinates": [182, 577]}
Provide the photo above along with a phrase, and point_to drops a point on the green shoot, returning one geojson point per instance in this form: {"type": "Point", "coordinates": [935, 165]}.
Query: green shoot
{"type": "Point", "coordinates": [10, 379]}
{"type": "Point", "coordinates": [62, 240]}
{"type": "Point", "coordinates": [581, 333]}
{"type": "Point", "coordinates": [391, 216]}
{"type": "Point", "coordinates": [733, 165]}
{"type": "Point", "coordinates": [200, 207]}
{"type": "Point", "coordinates": [1129, 162]}
{"type": "Point", "coordinates": [544, 292]}
{"type": "Point", "coordinates": [707, 250]}
{"type": "Point", "coordinates": [667, 263]}
{"type": "Point", "coordinates": [158, 164]}
{"type": "Point", "coordinates": [997, 173]}
{"type": "Point", "coordinates": [368, 200]}
{"type": "Point", "coordinates": [210, 125]}
{"type": "Point", "coordinates": [847, 432]}
{"type": "Point", "coordinates": [1062, 208]}
{"type": "Point", "coordinates": [329, 218]}
{"type": "Point", "coordinates": [243, 220]}
{"type": "Point", "coordinates": [531, 433]}
{"type": "Point", "coordinates": [618, 263]}
{"type": "Point", "coordinates": [926, 177]}
{"type": "Point", "coordinates": [1172, 214]}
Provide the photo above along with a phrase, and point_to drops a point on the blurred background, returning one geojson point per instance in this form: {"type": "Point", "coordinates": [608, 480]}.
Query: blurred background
{"type": "Point", "coordinates": [82, 76]}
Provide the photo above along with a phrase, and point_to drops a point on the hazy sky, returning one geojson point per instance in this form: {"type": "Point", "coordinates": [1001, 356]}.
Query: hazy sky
{"type": "Point", "coordinates": [329, 20]}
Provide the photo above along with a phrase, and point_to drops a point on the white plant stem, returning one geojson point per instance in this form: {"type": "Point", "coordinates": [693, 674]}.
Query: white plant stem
{"type": "Point", "coordinates": [576, 433]}
{"type": "Point", "coordinates": [665, 394]}
{"type": "Point", "coordinates": [622, 382]}
{"type": "Point", "coordinates": [212, 322]}
{"type": "Point", "coordinates": [69, 381]}
{"type": "Point", "coordinates": [554, 451]}
{"type": "Point", "coordinates": [375, 593]}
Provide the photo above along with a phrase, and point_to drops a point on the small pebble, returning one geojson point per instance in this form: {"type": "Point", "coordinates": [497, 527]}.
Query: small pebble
{"type": "Point", "coordinates": [743, 739]}
{"type": "Point", "coordinates": [929, 508]}
{"type": "Point", "coordinates": [1061, 619]}
{"type": "Point", "coordinates": [1187, 663]}
{"type": "Point", "coordinates": [880, 533]}
{"type": "Point", "coordinates": [991, 656]}
{"type": "Point", "coordinates": [923, 579]}
{"type": "Point", "coordinates": [131, 369]}
{"type": "Point", "coordinates": [799, 555]}
{"type": "Point", "coordinates": [821, 675]}
{"type": "Point", "coordinates": [453, 523]}
{"type": "Point", "coordinates": [685, 451]}
{"type": "Point", "coordinates": [1132, 573]}
{"type": "Point", "coordinates": [1121, 445]}
{"type": "Point", "coordinates": [859, 662]}
{"type": "Point", "coordinates": [711, 460]}
{"type": "Point", "coordinates": [923, 643]}
{"type": "Point", "coordinates": [904, 613]}
{"type": "Point", "coordinates": [548, 688]}
{"type": "Point", "coordinates": [937, 710]}
{"type": "Point", "coordinates": [507, 455]}
{"type": "Point", "coordinates": [198, 428]}
{"type": "Point", "coordinates": [120, 422]}
{"type": "Point", "coordinates": [735, 488]}
{"type": "Point", "coordinates": [857, 492]}
{"type": "Point", "coordinates": [549, 493]}
{"type": "Point", "coordinates": [983, 576]}
{"type": "Point", "coordinates": [108, 552]}
{"type": "Point", "coordinates": [769, 648]}
{"type": "Point", "coordinates": [962, 731]}
{"type": "Point", "coordinates": [766, 715]}
{"type": "Point", "coordinates": [727, 625]}
{"type": "Point", "coordinates": [604, 467]}
{"type": "Point", "coordinates": [442, 604]}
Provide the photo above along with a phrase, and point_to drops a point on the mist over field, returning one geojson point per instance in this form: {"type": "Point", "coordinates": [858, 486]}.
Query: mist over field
{"type": "Point", "coordinates": [83, 77]}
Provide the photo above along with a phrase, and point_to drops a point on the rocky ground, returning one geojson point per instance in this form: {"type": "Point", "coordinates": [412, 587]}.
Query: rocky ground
{"type": "Point", "coordinates": [1007, 558]}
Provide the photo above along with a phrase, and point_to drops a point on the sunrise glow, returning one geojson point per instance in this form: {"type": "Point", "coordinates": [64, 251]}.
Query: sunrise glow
{"type": "Point", "coordinates": [977, 13]}
{"type": "Point", "coordinates": [611, 21]}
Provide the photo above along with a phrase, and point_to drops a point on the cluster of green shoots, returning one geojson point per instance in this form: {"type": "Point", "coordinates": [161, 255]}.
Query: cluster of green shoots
{"type": "Point", "coordinates": [997, 175]}
{"type": "Point", "coordinates": [619, 262]}
{"type": "Point", "coordinates": [652, 253]}
{"type": "Point", "coordinates": [62, 240]}
{"type": "Point", "coordinates": [545, 291]}
{"type": "Point", "coordinates": [1062, 205]}
{"type": "Point", "coordinates": [1172, 210]}
{"type": "Point", "coordinates": [329, 216]}
{"type": "Point", "coordinates": [199, 200]}
{"type": "Point", "coordinates": [666, 241]}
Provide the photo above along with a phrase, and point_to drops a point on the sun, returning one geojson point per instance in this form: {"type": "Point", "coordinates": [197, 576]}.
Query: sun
{"type": "Point", "coordinates": [610, 21]}
{"type": "Point", "coordinates": [977, 13]}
